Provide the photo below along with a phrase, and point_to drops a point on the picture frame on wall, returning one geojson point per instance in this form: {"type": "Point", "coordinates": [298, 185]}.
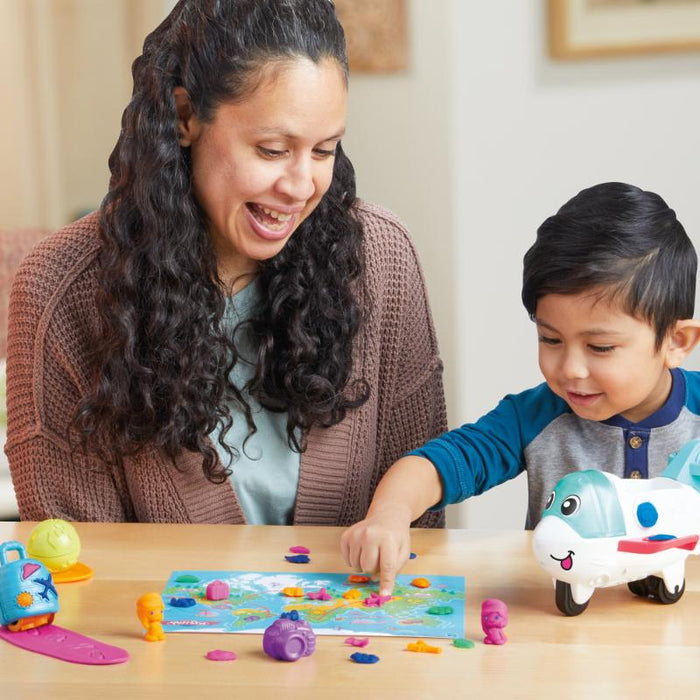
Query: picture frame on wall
{"type": "Point", "coordinates": [377, 34]}
{"type": "Point", "coordinates": [592, 28]}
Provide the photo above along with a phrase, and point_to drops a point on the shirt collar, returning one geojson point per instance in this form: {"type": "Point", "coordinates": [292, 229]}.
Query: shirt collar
{"type": "Point", "coordinates": [665, 415]}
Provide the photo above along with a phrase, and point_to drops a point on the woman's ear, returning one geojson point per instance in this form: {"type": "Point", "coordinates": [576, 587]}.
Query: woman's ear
{"type": "Point", "coordinates": [682, 339]}
{"type": "Point", "coordinates": [187, 123]}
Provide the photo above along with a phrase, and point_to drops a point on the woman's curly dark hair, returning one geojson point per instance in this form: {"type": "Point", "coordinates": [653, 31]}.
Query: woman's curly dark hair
{"type": "Point", "coordinates": [163, 361]}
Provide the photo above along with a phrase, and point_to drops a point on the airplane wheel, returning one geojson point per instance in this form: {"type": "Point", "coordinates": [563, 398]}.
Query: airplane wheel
{"type": "Point", "coordinates": [661, 593]}
{"type": "Point", "coordinates": [639, 588]}
{"type": "Point", "coordinates": [565, 601]}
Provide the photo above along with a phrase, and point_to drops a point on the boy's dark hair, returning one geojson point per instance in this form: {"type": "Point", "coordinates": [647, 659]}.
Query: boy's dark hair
{"type": "Point", "coordinates": [622, 242]}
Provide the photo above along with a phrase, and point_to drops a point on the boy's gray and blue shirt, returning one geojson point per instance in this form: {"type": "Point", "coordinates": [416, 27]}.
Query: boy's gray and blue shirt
{"type": "Point", "coordinates": [537, 432]}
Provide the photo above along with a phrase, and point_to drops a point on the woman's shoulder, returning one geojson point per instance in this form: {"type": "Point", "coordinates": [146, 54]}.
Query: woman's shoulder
{"type": "Point", "coordinates": [58, 275]}
{"type": "Point", "coordinates": [61, 256]}
{"type": "Point", "coordinates": [386, 239]}
{"type": "Point", "coordinates": [379, 222]}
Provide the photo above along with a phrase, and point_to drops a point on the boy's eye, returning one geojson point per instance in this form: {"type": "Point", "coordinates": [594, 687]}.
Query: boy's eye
{"type": "Point", "coordinates": [602, 348]}
{"type": "Point", "coordinates": [548, 341]}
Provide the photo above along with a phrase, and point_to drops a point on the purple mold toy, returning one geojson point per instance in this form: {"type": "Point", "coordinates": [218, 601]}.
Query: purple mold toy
{"type": "Point", "coordinates": [289, 638]}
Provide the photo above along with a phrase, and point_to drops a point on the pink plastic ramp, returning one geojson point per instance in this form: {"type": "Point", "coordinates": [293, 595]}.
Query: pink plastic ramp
{"type": "Point", "coordinates": [63, 644]}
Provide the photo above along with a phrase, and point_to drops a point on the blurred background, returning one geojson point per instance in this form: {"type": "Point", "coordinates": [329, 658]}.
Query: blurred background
{"type": "Point", "coordinates": [483, 120]}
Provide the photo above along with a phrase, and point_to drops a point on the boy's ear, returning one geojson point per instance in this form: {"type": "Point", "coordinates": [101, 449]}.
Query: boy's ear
{"type": "Point", "coordinates": [188, 125]}
{"type": "Point", "coordinates": [681, 341]}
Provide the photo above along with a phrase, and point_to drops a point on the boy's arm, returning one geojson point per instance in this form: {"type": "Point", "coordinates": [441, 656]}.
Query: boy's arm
{"type": "Point", "coordinates": [381, 541]}
{"type": "Point", "coordinates": [460, 463]}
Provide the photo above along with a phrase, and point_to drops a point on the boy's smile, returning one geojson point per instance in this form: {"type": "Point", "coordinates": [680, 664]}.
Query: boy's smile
{"type": "Point", "coordinates": [599, 359]}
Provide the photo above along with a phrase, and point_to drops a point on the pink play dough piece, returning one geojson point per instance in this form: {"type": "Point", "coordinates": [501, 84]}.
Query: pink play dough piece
{"type": "Point", "coordinates": [221, 655]}
{"type": "Point", "coordinates": [357, 642]}
{"type": "Point", "coordinates": [218, 590]}
{"type": "Point", "coordinates": [63, 644]}
{"type": "Point", "coordinates": [298, 549]}
{"type": "Point", "coordinates": [321, 594]}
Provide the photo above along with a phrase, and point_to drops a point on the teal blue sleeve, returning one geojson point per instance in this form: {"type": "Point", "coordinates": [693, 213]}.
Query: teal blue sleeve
{"type": "Point", "coordinates": [477, 456]}
{"type": "Point", "coordinates": [692, 390]}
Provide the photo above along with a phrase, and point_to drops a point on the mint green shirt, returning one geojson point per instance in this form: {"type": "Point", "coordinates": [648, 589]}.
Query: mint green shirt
{"type": "Point", "coordinates": [266, 473]}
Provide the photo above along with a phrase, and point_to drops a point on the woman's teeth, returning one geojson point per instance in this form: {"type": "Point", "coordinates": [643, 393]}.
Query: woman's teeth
{"type": "Point", "coordinates": [280, 216]}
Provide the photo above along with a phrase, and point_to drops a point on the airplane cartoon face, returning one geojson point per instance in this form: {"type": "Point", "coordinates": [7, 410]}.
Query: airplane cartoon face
{"type": "Point", "coordinates": [587, 502]}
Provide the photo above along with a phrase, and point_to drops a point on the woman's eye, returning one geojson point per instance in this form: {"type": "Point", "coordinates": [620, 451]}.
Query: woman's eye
{"type": "Point", "coordinates": [324, 152]}
{"type": "Point", "coordinates": [602, 348]}
{"type": "Point", "coordinates": [548, 341]}
{"type": "Point", "coordinates": [270, 152]}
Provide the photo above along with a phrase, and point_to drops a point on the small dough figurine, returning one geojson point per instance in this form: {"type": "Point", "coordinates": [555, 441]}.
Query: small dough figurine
{"type": "Point", "coordinates": [494, 617]}
{"type": "Point", "coordinates": [149, 608]}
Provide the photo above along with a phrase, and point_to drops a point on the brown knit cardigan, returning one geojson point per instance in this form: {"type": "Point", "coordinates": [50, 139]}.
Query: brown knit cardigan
{"type": "Point", "coordinates": [52, 328]}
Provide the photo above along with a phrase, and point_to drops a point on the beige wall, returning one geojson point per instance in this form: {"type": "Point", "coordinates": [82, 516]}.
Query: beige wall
{"type": "Point", "coordinates": [398, 140]}
{"type": "Point", "coordinates": [66, 64]}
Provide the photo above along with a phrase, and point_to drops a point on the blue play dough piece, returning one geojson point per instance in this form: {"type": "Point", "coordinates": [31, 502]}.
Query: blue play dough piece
{"type": "Point", "coordinates": [291, 615]}
{"type": "Point", "coordinates": [661, 538]}
{"type": "Point", "coordinates": [360, 658]}
{"type": "Point", "coordinates": [183, 602]}
{"type": "Point", "coordinates": [647, 514]}
{"type": "Point", "coordinates": [298, 558]}
{"type": "Point", "coordinates": [413, 555]}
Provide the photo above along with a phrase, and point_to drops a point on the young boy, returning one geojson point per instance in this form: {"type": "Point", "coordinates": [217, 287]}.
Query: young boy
{"type": "Point", "coordinates": [610, 285]}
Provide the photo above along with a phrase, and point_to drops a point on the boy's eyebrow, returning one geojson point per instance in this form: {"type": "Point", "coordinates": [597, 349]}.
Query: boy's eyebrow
{"type": "Point", "coordinates": [589, 331]}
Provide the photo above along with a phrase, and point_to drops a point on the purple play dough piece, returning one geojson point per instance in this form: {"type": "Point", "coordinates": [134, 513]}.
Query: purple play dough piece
{"type": "Point", "coordinates": [63, 644]}
{"type": "Point", "coordinates": [221, 655]}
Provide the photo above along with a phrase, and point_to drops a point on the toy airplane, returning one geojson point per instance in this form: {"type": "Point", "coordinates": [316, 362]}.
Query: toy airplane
{"type": "Point", "coordinates": [598, 530]}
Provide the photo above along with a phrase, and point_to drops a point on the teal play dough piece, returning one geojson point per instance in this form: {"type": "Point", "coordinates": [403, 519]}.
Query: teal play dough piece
{"type": "Point", "coordinates": [187, 578]}
{"type": "Point", "coordinates": [440, 610]}
{"type": "Point", "coordinates": [463, 643]}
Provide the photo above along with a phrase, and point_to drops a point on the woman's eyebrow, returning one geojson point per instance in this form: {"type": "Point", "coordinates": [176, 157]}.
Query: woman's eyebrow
{"type": "Point", "coordinates": [281, 131]}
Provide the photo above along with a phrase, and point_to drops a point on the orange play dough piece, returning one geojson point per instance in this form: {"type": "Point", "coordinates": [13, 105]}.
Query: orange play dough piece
{"type": "Point", "coordinates": [293, 592]}
{"type": "Point", "coordinates": [420, 583]}
{"type": "Point", "coordinates": [77, 572]}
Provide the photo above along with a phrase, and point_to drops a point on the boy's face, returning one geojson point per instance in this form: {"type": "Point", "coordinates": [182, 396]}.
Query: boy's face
{"type": "Point", "coordinates": [599, 359]}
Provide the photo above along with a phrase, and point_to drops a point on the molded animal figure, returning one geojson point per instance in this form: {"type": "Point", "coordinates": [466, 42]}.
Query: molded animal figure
{"type": "Point", "coordinates": [149, 608]}
{"type": "Point", "coordinates": [598, 530]}
{"type": "Point", "coordinates": [28, 597]}
{"type": "Point", "coordinates": [494, 617]}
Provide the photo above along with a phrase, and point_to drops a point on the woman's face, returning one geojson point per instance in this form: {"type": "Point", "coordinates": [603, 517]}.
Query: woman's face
{"type": "Point", "coordinates": [261, 166]}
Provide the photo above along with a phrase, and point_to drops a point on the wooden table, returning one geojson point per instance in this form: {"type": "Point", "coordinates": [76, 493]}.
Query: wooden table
{"type": "Point", "coordinates": [620, 647]}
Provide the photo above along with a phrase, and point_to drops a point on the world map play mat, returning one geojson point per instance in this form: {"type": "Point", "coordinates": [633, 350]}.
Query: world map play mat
{"type": "Point", "coordinates": [255, 599]}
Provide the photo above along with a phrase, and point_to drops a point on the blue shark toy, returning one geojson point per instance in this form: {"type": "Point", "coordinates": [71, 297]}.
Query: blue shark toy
{"type": "Point", "coordinates": [598, 530]}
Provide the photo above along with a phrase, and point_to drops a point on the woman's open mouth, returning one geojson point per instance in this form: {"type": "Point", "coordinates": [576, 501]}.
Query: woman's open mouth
{"type": "Point", "coordinates": [270, 224]}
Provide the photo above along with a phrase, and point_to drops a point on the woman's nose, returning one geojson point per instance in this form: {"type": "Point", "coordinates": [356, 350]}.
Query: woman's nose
{"type": "Point", "coordinates": [297, 181]}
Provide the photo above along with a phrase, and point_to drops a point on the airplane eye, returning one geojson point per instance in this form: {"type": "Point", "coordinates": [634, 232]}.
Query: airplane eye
{"type": "Point", "coordinates": [550, 500]}
{"type": "Point", "coordinates": [570, 505]}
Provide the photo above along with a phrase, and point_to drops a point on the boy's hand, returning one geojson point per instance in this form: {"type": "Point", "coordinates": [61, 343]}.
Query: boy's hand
{"type": "Point", "coordinates": [379, 543]}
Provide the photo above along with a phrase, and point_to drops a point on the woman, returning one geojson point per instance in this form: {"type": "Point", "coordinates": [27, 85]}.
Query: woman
{"type": "Point", "coordinates": [232, 337]}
